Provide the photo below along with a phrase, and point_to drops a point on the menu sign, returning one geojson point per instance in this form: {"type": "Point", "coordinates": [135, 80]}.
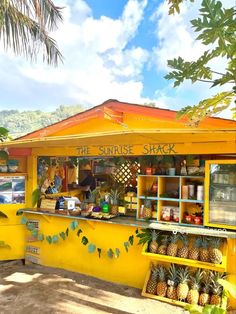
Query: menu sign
{"type": "Point", "coordinates": [12, 190]}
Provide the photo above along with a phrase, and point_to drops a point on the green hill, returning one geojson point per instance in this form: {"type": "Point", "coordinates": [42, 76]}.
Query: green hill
{"type": "Point", "coordinates": [19, 123]}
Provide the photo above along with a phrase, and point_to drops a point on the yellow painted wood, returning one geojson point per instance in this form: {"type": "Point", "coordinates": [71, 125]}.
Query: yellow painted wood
{"type": "Point", "coordinates": [156, 297]}
{"type": "Point", "coordinates": [231, 267]}
{"type": "Point", "coordinates": [207, 185]}
{"type": "Point", "coordinates": [164, 299]}
{"type": "Point", "coordinates": [14, 236]}
{"type": "Point", "coordinates": [188, 262]}
{"type": "Point", "coordinates": [137, 143]}
{"type": "Point", "coordinates": [71, 254]}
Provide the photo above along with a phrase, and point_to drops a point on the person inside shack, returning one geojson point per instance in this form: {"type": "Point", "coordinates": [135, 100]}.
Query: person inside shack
{"type": "Point", "coordinates": [88, 182]}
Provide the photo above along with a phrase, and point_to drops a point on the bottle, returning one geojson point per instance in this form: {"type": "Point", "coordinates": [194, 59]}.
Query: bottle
{"type": "Point", "coordinates": [183, 170]}
{"type": "Point", "coordinates": [200, 192]}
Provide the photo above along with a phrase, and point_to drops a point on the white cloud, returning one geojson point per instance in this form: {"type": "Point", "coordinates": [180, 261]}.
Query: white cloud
{"type": "Point", "coordinates": [98, 65]}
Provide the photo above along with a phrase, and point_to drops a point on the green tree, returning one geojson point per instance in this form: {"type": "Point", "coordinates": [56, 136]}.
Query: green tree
{"type": "Point", "coordinates": [4, 134]}
{"type": "Point", "coordinates": [24, 28]}
{"type": "Point", "coordinates": [216, 28]}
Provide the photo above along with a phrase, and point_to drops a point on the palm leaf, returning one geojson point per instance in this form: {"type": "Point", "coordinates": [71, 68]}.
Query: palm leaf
{"type": "Point", "coordinates": [24, 26]}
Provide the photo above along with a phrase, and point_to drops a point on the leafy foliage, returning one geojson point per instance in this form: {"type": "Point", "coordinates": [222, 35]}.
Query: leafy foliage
{"type": "Point", "coordinates": [4, 135]}
{"type": "Point", "coordinates": [207, 309]}
{"type": "Point", "coordinates": [174, 6]}
{"type": "Point", "coordinates": [24, 27]}
{"type": "Point", "coordinates": [216, 28]}
{"type": "Point", "coordinates": [144, 236]}
{"type": "Point", "coordinates": [18, 122]}
{"type": "Point", "coordinates": [35, 196]}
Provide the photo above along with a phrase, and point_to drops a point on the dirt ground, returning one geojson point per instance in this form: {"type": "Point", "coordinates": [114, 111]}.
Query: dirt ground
{"type": "Point", "coordinates": [37, 289]}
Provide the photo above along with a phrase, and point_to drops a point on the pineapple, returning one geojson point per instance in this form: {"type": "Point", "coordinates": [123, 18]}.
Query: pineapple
{"type": "Point", "coordinates": [172, 248]}
{"type": "Point", "coordinates": [161, 284]}
{"type": "Point", "coordinates": [183, 251]}
{"type": "Point", "coordinates": [193, 294]}
{"type": "Point", "coordinates": [147, 210]}
{"type": "Point", "coordinates": [216, 297]}
{"type": "Point", "coordinates": [114, 196]}
{"type": "Point", "coordinates": [182, 288]}
{"type": "Point", "coordinates": [152, 282]}
{"type": "Point", "coordinates": [215, 255]}
{"type": "Point", "coordinates": [204, 297]}
{"type": "Point", "coordinates": [203, 252]}
{"type": "Point", "coordinates": [172, 283]}
{"type": "Point", "coordinates": [163, 247]}
{"type": "Point", "coordinates": [194, 251]}
{"type": "Point", "coordinates": [153, 246]}
{"type": "Point", "coordinates": [216, 288]}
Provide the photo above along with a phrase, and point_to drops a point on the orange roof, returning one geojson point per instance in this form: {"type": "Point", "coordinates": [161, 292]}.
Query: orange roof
{"type": "Point", "coordinates": [113, 109]}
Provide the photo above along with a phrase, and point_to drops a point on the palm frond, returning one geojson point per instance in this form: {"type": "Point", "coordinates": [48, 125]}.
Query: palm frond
{"type": "Point", "coordinates": [24, 27]}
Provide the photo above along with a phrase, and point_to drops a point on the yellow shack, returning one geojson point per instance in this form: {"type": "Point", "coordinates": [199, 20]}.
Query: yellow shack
{"type": "Point", "coordinates": [169, 181]}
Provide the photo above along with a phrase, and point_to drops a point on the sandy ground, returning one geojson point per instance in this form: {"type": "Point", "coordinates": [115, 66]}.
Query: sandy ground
{"type": "Point", "coordinates": [37, 289]}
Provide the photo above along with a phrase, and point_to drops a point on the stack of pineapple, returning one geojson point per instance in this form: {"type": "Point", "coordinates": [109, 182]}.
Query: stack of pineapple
{"type": "Point", "coordinates": [203, 249]}
{"type": "Point", "coordinates": [180, 283]}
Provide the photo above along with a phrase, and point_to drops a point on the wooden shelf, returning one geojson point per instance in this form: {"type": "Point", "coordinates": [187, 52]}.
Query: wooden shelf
{"type": "Point", "coordinates": [9, 174]}
{"type": "Point", "coordinates": [167, 300]}
{"type": "Point", "coordinates": [188, 262]}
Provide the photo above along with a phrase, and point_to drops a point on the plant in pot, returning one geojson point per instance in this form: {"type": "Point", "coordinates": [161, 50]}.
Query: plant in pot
{"type": "Point", "coordinates": [168, 162]}
{"type": "Point", "coordinates": [147, 164]}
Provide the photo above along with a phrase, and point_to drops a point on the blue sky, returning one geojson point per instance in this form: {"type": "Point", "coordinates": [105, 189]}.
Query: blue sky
{"type": "Point", "coordinates": [112, 49]}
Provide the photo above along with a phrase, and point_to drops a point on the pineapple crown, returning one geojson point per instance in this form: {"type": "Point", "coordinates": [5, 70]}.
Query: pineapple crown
{"type": "Point", "coordinates": [195, 279]}
{"type": "Point", "coordinates": [154, 234]}
{"type": "Point", "coordinates": [92, 196]}
{"type": "Point", "coordinates": [147, 202]}
{"type": "Point", "coordinates": [172, 275]}
{"type": "Point", "coordinates": [183, 275]}
{"type": "Point", "coordinates": [185, 240]}
{"type": "Point", "coordinates": [174, 238]}
{"type": "Point", "coordinates": [215, 243]}
{"type": "Point", "coordinates": [161, 273]}
{"type": "Point", "coordinates": [206, 285]}
{"type": "Point", "coordinates": [165, 239]}
{"type": "Point", "coordinates": [154, 272]}
{"type": "Point", "coordinates": [216, 288]}
{"type": "Point", "coordinates": [114, 195]}
{"type": "Point", "coordinates": [204, 243]}
{"type": "Point", "coordinates": [198, 242]}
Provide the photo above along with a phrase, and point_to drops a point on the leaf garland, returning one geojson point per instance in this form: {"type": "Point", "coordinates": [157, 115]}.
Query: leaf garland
{"type": "Point", "coordinates": [53, 239]}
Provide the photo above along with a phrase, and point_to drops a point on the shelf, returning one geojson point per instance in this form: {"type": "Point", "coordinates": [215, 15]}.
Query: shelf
{"type": "Point", "coordinates": [148, 197]}
{"type": "Point", "coordinates": [220, 185]}
{"type": "Point", "coordinates": [9, 174]}
{"type": "Point", "coordinates": [187, 262]}
{"type": "Point", "coordinates": [191, 201]}
{"type": "Point", "coordinates": [167, 300]}
{"type": "Point", "coordinates": [168, 199]}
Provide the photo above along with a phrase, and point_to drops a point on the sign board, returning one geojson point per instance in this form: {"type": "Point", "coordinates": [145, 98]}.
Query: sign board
{"type": "Point", "coordinates": [48, 205]}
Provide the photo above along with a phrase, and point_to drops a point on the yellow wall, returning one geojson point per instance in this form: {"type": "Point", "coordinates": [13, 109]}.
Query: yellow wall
{"type": "Point", "coordinates": [129, 268]}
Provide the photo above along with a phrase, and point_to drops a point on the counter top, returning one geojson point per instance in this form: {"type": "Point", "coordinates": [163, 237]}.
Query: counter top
{"type": "Point", "coordinates": [131, 221]}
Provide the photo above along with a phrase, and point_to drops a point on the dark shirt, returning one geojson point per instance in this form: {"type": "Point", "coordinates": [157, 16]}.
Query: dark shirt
{"type": "Point", "coordinates": [89, 180]}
